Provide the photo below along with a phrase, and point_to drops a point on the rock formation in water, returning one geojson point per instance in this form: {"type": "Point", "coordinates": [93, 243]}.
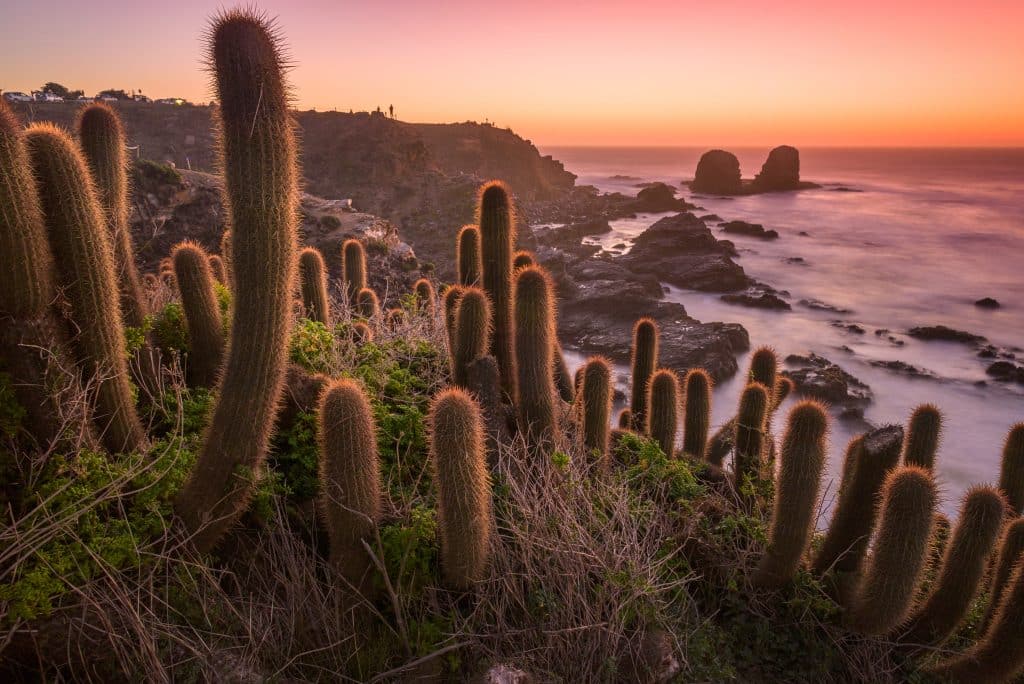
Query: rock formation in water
{"type": "Point", "coordinates": [718, 172]}
{"type": "Point", "coordinates": [781, 171]}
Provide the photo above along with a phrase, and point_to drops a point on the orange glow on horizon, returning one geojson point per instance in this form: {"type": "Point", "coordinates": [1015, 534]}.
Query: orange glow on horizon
{"type": "Point", "coordinates": [603, 73]}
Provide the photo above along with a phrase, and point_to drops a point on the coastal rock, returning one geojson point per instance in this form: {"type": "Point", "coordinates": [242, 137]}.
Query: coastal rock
{"type": "Point", "coordinates": [817, 377]}
{"type": "Point", "coordinates": [757, 300]}
{"type": "Point", "coordinates": [987, 303]}
{"type": "Point", "coordinates": [942, 333]}
{"type": "Point", "coordinates": [1005, 371]}
{"type": "Point", "coordinates": [749, 229]}
{"type": "Point", "coordinates": [658, 197]}
{"type": "Point", "coordinates": [903, 368]}
{"type": "Point", "coordinates": [818, 305]}
{"type": "Point", "coordinates": [781, 171]}
{"type": "Point", "coordinates": [718, 172]}
{"type": "Point", "coordinates": [681, 250]}
{"type": "Point", "coordinates": [569, 236]}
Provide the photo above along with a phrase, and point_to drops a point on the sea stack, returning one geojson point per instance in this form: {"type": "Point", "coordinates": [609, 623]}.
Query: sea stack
{"type": "Point", "coordinates": [781, 171]}
{"type": "Point", "coordinates": [718, 172]}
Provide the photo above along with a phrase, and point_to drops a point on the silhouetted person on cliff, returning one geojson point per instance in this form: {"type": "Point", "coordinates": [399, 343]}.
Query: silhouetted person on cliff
{"type": "Point", "coordinates": [391, 111]}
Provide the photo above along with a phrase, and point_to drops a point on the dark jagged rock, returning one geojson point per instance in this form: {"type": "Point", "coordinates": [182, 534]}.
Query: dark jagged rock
{"type": "Point", "coordinates": [1006, 372]}
{"type": "Point", "coordinates": [903, 368]}
{"type": "Point", "coordinates": [718, 172]}
{"type": "Point", "coordinates": [749, 229]}
{"type": "Point", "coordinates": [848, 327]}
{"type": "Point", "coordinates": [819, 305]}
{"type": "Point", "coordinates": [681, 250]}
{"type": "Point", "coordinates": [757, 300]}
{"type": "Point", "coordinates": [658, 197]}
{"type": "Point", "coordinates": [781, 171]}
{"type": "Point", "coordinates": [944, 334]}
{"type": "Point", "coordinates": [817, 377]}
{"type": "Point", "coordinates": [987, 303]}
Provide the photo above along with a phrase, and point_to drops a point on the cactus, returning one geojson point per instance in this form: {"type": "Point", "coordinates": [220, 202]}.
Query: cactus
{"type": "Point", "coordinates": [534, 354]}
{"type": "Point", "coordinates": [596, 406]}
{"type": "Point", "coordinates": [1011, 552]}
{"type": "Point", "coordinates": [367, 304]}
{"type": "Point", "coordinates": [313, 285]}
{"type": "Point", "coordinates": [1011, 470]}
{"type": "Point", "coordinates": [472, 333]}
{"type": "Point", "coordinates": [225, 254]}
{"type": "Point", "coordinates": [763, 364]}
{"type": "Point", "coordinates": [962, 570]}
{"type": "Point", "coordinates": [85, 264]}
{"type": "Point", "coordinates": [750, 433]}
{"type": "Point", "coordinates": [563, 380]}
{"type": "Point", "coordinates": [643, 362]}
{"type": "Point", "coordinates": [216, 268]}
{"type": "Point", "coordinates": [886, 590]}
{"type": "Point", "coordinates": [783, 388]}
{"type": "Point", "coordinates": [258, 157]}
{"type": "Point", "coordinates": [697, 413]}
{"type": "Point", "coordinates": [150, 281]}
{"type": "Point", "coordinates": [796, 494]}
{"type": "Point", "coordinates": [999, 655]}
{"type": "Point", "coordinates": [467, 256]}
{"type": "Point", "coordinates": [450, 304]}
{"type": "Point", "coordinates": [361, 333]}
{"type": "Point", "coordinates": [663, 410]}
{"type": "Point", "coordinates": [464, 507]}
{"type": "Point", "coordinates": [869, 459]}
{"type": "Point", "coordinates": [625, 421]}
{"type": "Point", "coordinates": [425, 297]}
{"type": "Point", "coordinates": [394, 318]}
{"type": "Point", "coordinates": [522, 259]}
{"type": "Point", "coordinates": [353, 269]}
{"type": "Point", "coordinates": [202, 313]}
{"type": "Point", "coordinates": [922, 439]}
{"type": "Point", "coordinates": [350, 481]}
{"type": "Point", "coordinates": [497, 239]}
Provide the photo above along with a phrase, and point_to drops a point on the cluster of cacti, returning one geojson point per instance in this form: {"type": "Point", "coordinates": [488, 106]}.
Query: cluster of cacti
{"type": "Point", "coordinates": [353, 269]}
{"type": "Point", "coordinates": [313, 285]}
{"type": "Point", "coordinates": [202, 313]}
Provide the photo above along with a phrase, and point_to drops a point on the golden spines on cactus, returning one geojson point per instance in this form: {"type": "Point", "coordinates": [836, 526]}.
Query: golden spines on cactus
{"type": "Point", "coordinates": [522, 259]}
{"type": "Point", "coordinates": [313, 285]}
{"type": "Point", "coordinates": [750, 433]}
{"type": "Point", "coordinates": [367, 304]}
{"type": "Point", "coordinates": [643, 361]}
{"type": "Point", "coordinates": [85, 266]}
{"type": "Point", "coordinates": [465, 515]}
{"type": "Point", "coordinates": [450, 304]}
{"type": "Point", "coordinates": [885, 592]}
{"type": "Point", "coordinates": [467, 256]}
{"type": "Point", "coordinates": [497, 223]}
{"type": "Point", "coordinates": [472, 333]}
{"type": "Point", "coordinates": [962, 569]}
{"type": "Point", "coordinates": [596, 405]}
{"type": "Point", "coordinates": [663, 409]}
{"type": "Point", "coordinates": [763, 364]}
{"type": "Point", "coordinates": [217, 269]}
{"type": "Point", "coordinates": [1011, 469]}
{"type": "Point", "coordinates": [350, 480]}
{"type": "Point", "coordinates": [1011, 552]}
{"type": "Point", "coordinates": [802, 460]}
{"type": "Point", "coordinates": [425, 297]}
{"type": "Point", "coordinates": [258, 156]}
{"type": "Point", "coordinates": [922, 438]}
{"type": "Point", "coordinates": [353, 268]}
{"type": "Point", "coordinates": [697, 413]}
{"type": "Point", "coordinates": [202, 313]}
{"type": "Point", "coordinates": [534, 341]}
{"type": "Point", "coordinates": [225, 254]}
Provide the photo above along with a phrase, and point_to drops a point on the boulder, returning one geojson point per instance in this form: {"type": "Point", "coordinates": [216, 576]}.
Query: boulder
{"type": "Point", "coordinates": [749, 229]}
{"type": "Point", "coordinates": [658, 197]}
{"type": "Point", "coordinates": [817, 377]}
{"type": "Point", "coordinates": [718, 172]}
{"type": "Point", "coordinates": [781, 171]}
{"type": "Point", "coordinates": [987, 303]}
{"type": "Point", "coordinates": [943, 333]}
{"type": "Point", "coordinates": [757, 300]}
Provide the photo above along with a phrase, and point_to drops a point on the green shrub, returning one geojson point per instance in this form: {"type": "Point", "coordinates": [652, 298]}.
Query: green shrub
{"type": "Point", "coordinates": [295, 456]}
{"type": "Point", "coordinates": [312, 347]}
{"type": "Point", "coordinates": [169, 329]}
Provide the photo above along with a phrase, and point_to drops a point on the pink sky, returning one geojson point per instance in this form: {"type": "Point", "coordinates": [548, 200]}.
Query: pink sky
{"type": "Point", "coordinates": [615, 73]}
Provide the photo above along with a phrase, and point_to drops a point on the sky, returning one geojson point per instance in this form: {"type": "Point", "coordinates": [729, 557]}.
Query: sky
{"type": "Point", "coordinates": [707, 73]}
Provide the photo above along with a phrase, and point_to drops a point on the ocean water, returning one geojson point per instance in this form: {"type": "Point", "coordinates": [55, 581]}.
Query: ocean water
{"type": "Point", "coordinates": [925, 234]}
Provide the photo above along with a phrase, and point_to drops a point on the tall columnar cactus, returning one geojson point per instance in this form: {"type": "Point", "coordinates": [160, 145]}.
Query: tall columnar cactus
{"type": "Point", "coordinates": [353, 268]}
{"type": "Point", "coordinates": [472, 333]}
{"type": "Point", "coordinates": [663, 409]}
{"type": "Point", "coordinates": [886, 590]}
{"type": "Point", "coordinates": [1011, 553]}
{"type": "Point", "coordinates": [763, 364]}
{"type": "Point", "coordinates": [596, 406]}
{"type": "Point", "coordinates": [869, 459]}
{"type": "Point", "coordinates": [644, 361]}
{"type": "Point", "coordinates": [999, 655]}
{"type": "Point", "coordinates": [367, 304]}
{"type": "Point", "coordinates": [220, 274]}
{"type": "Point", "coordinates": [497, 242]}
{"type": "Point", "coordinates": [258, 157]}
{"type": "Point", "coordinates": [1011, 470]}
{"type": "Point", "coordinates": [922, 439]}
{"type": "Point", "coordinates": [103, 144]}
{"type": "Point", "coordinates": [963, 567]}
{"type": "Point", "coordinates": [350, 482]}
{"type": "Point", "coordinates": [313, 281]}
{"type": "Point", "coordinates": [450, 304]}
{"type": "Point", "coordinates": [563, 380]}
{"type": "Point", "coordinates": [225, 254]}
{"type": "Point", "coordinates": [750, 433]}
{"type": "Point", "coordinates": [534, 349]}
{"type": "Point", "coordinates": [697, 413]}
{"type": "Point", "coordinates": [467, 256]}
{"type": "Point", "coordinates": [85, 266]}
{"type": "Point", "coordinates": [425, 297]}
{"type": "Point", "coordinates": [783, 388]}
{"type": "Point", "coordinates": [202, 313]}
{"type": "Point", "coordinates": [796, 494]}
{"type": "Point", "coordinates": [464, 507]}
{"type": "Point", "coordinates": [27, 324]}
{"type": "Point", "coordinates": [522, 259]}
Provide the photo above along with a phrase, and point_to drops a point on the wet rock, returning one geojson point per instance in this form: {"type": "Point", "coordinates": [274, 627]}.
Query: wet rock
{"type": "Point", "coordinates": [759, 300]}
{"type": "Point", "coordinates": [658, 197]}
{"type": "Point", "coordinates": [781, 171]}
{"type": "Point", "coordinates": [987, 303]}
{"type": "Point", "coordinates": [903, 368]}
{"type": "Point", "coordinates": [804, 233]}
{"type": "Point", "coordinates": [711, 217]}
{"type": "Point", "coordinates": [817, 377]}
{"type": "Point", "coordinates": [569, 236]}
{"type": "Point", "coordinates": [799, 261]}
{"type": "Point", "coordinates": [848, 327]}
{"type": "Point", "coordinates": [1006, 371]}
{"type": "Point", "coordinates": [718, 172]}
{"type": "Point", "coordinates": [819, 305]}
{"type": "Point", "coordinates": [943, 333]}
{"type": "Point", "coordinates": [749, 229]}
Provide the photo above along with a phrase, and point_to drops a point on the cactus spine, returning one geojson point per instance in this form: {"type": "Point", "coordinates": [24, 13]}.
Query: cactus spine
{"type": "Point", "coordinates": [644, 361]}
{"type": "Point", "coordinates": [367, 304]}
{"type": "Point", "coordinates": [467, 256]}
{"type": "Point", "coordinates": [497, 239]}
{"type": "Point", "coordinates": [596, 394]}
{"type": "Point", "coordinates": [85, 262]}
{"type": "Point", "coordinates": [1011, 470]}
{"type": "Point", "coordinates": [217, 269]}
{"type": "Point", "coordinates": [472, 333]}
{"type": "Point", "coordinates": [534, 361]}
{"type": "Point", "coordinates": [425, 297]}
{"type": "Point", "coordinates": [663, 410]}
{"type": "Point", "coordinates": [522, 259]}
{"type": "Point", "coordinates": [353, 269]}
{"type": "Point", "coordinates": [922, 438]}
{"type": "Point", "coordinates": [313, 281]}
{"type": "Point", "coordinates": [1011, 552]}
{"type": "Point", "coordinates": [202, 313]}
{"type": "Point", "coordinates": [763, 364]}
{"type": "Point", "coordinates": [886, 590]}
{"type": "Point", "coordinates": [697, 413]}
{"type": "Point", "coordinates": [962, 570]}
{"type": "Point", "coordinates": [350, 483]}
{"type": "Point", "coordinates": [750, 432]}
{"type": "Point", "coordinates": [225, 254]}
{"type": "Point", "coordinates": [464, 507]}
{"type": "Point", "coordinates": [258, 156]}
{"type": "Point", "coordinates": [796, 494]}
